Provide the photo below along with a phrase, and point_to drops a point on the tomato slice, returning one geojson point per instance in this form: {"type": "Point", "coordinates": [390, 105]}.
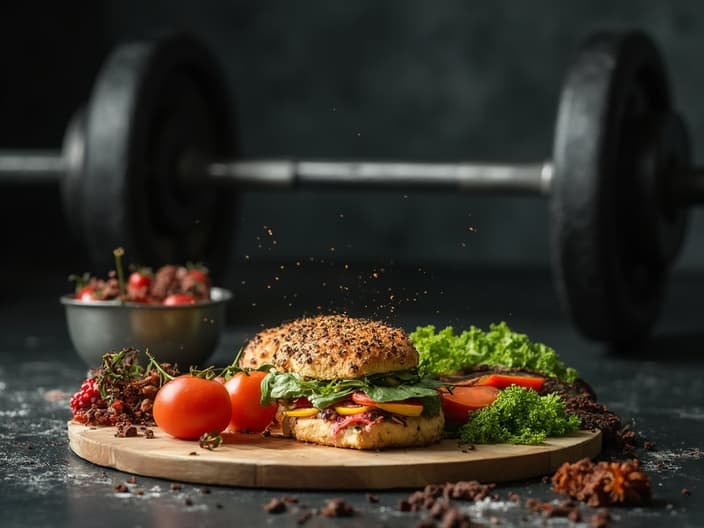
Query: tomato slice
{"type": "Point", "coordinates": [457, 404]}
{"type": "Point", "coordinates": [410, 407]}
{"type": "Point", "coordinates": [302, 402]}
{"type": "Point", "coordinates": [501, 381]}
{"type": "Point", "coordinates": [360, 398]}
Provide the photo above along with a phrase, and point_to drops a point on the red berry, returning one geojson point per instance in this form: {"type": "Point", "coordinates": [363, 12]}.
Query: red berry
{"type": "Point", "coordinates": [86, 396]}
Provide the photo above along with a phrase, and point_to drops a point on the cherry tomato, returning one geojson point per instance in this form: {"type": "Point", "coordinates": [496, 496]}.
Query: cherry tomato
{"type": "Point", "coordinates": [87, 293]}
{"type": "Point", "coordinates": [247, 413]}
{"type": "Point", "coordinates": [187, 406]}
{"type": "Point", "coordinates": [138, 285]}
{"type": "Point", "coordinates": [179, 298]}
{"type": "Point", "coordinates": [457, 404]}
{"type": "Point", "coordinates": [199, 276]}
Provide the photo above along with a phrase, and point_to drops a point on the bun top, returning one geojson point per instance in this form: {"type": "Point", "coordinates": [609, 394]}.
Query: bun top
{"type": "Point", "coordinates": [332, 347]}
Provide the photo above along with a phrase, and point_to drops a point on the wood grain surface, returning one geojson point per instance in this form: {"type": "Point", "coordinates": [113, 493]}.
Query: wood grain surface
{"type": "Point", "coordinates": [274, 462]}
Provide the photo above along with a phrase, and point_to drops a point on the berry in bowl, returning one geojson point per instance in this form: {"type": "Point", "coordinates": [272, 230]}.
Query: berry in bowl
{"type": "Point", "coordinates": [174, 313]}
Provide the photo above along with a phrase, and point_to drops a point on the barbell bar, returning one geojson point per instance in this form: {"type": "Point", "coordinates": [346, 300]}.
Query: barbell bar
{"type": "Point", "coordinates": [24, 167]}
{"type": "Point", "coordinates": [151, 163]}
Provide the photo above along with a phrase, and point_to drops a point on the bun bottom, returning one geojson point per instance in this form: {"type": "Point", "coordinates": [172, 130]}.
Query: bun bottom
{"type": "Point", "coordinates": [417, 431]}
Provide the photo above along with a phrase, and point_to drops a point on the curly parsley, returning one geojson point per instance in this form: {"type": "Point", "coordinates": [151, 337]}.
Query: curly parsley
{"type": "Point", "coordinates": [519, 416]}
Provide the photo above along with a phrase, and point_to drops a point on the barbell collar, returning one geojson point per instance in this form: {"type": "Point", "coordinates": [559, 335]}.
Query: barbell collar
{"type": "Point", "coordinates": [21, 167]}
{"type": "Point", "coordinates": [528, 178]}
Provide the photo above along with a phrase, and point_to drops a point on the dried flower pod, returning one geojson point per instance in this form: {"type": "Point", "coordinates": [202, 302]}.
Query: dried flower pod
{"type": "Point", "coordinates": [603, 483]}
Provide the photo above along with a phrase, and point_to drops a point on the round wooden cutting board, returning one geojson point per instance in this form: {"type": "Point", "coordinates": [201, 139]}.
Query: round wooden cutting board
{"type": "Point", "coordinates": [273, 462]}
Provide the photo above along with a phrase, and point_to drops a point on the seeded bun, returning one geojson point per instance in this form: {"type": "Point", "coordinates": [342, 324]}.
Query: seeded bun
{"type": "Point", "coordinates": [417, 431]}
{"type": "Point", "coordinates": [332, 347]}
{"type": "Point", "coordinates": [260, 349]}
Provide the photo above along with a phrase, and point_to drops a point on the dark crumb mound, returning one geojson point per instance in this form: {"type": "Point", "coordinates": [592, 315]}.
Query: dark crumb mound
{"type": "Point", "coordinates": [372, 498]}
{"type": "Point", "coordinates": [175, 486]}
{"type": "Point", "coordinates": [603, 483]}
{"type": "Point", "coordinates": [129, 391]}
{"type": "Point", "coordinates": [567, 508]}
{"type": "Point", "coordinates": [426, 499]}
{"type": "Point", "coordinates": [337, 508]}
{"type": "Point", "coordinates": [275, 505]}
{"type": "Point", "coordinates": [121, 488]}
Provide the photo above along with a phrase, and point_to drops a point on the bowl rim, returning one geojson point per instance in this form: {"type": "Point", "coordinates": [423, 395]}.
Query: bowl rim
{"type": "Point", "coordinates": [217, 296]}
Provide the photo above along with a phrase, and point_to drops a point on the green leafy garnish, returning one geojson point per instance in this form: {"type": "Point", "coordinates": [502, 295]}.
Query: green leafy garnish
{"type": "Point", "coordinates": [445, 352]}
{"type": "Point", "coordinates": [386, 387]}
{"type": "Point", "coordinates": [519, 416]}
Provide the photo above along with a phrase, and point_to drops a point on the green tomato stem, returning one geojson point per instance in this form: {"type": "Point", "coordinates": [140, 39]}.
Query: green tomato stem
{"type": "Point", "coordinates": [119, 253]}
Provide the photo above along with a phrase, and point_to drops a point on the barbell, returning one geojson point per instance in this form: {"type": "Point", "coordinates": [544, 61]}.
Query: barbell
{"type": "Point", "coordinates": [151, 163]}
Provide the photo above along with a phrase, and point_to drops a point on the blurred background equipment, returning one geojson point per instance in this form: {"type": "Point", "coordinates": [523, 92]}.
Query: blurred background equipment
{"type": "Point", "coordinates": [440, 229]}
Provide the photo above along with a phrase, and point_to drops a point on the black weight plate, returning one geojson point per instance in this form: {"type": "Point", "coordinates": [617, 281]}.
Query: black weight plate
{"type": "Point", "coordinates": [609, 274]}
{"type": "Point", "coordinates": [156, 106]}
{"type": "Point", "coordinates": [74, 155]}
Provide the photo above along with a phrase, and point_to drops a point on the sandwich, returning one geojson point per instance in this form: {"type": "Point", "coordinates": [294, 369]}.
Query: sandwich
{"type": "Point", "coordinates": [346, 382]}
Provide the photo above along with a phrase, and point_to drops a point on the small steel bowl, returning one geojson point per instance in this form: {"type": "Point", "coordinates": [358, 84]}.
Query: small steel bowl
{"type": "Point", "coordinates": [186, 334]}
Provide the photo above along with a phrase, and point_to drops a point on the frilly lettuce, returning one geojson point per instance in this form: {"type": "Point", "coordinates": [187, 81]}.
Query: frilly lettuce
{"type": "Point", "coordinates": [445, 352]}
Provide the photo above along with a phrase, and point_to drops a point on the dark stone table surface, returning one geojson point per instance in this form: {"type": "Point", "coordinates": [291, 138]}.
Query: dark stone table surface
{"type": "Point", "coordinates": [658, 388]}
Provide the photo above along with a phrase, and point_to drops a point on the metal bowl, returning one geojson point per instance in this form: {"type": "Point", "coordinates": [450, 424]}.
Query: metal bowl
{"type": "Point", "coordinates": [186, 334]}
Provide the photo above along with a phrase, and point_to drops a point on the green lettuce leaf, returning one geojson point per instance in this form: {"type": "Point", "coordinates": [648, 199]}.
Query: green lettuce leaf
{"type": "Point", "coordinates": [396, 386]}
{"type": "Point", "coordinates": [445, 352]}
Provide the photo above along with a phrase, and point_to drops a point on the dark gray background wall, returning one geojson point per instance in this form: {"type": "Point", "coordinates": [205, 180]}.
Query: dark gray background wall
{"type": "Point", "coordinates": [447, 80]}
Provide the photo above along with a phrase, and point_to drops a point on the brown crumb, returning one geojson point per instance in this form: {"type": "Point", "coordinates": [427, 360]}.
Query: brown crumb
{"type": "Point", "coordinates": [132, 480]}
{"type": "Point", "coordinates": [600, 518]}
{"type": "Point", "coordinates": [275, 505]}
{"type": "Point", "coordinates": [372, 498]}
{"type": "Point", "coordinates": [121, 488]}
{"type": "Point", "coordinates": [514, 497]}
{"type": "Point", "coordinates": [304, 517]}
{"type": "Point", "coordinates": [175, 486]}
{"type": "Point", "coordinates": [454, 518]}
{"type": "Point", "coordinates": [192, 453]}
{"type": "Point", "coordinates": [188, 501]}
{"type": "Point", "coordinates": [337, 508]}
{"type": "Point", "coordinates": [125, 430]}
{"type": "Point", "coordinates": [404, 505]}
{"type": "Point", "coordinates": [439, 509]}
{"type": "Point", "coordinates": [205, 490]}
{"type": "Point", "coordinates": [686, 492]}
